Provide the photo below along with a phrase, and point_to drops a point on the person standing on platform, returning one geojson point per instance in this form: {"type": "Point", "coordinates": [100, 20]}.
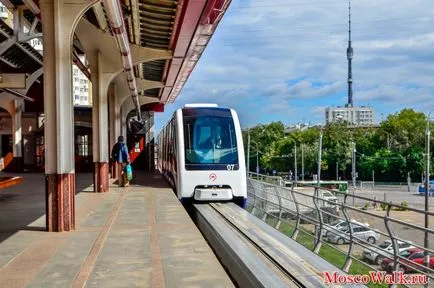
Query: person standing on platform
{"type": "Point", "coordinates": [121, 156]}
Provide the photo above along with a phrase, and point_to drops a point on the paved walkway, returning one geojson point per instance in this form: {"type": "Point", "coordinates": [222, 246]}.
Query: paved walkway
{"type": "Point", "coordinates": [129, 237]}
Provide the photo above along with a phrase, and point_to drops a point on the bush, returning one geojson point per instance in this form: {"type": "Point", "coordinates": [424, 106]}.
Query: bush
{"type": "Point", "coordinates": [367, 205]}
{"type": "Point", "coordinates": [383, 206]}
{"type": "Point", "coordinates": [404, 205]}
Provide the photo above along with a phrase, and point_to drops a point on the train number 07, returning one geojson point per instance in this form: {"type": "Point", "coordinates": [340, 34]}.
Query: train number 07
{"type": "Point", "coordinates": [230, 166]}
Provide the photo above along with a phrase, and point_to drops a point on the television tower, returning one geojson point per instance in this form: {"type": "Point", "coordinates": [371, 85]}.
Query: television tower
{"type": "Point", "coordinates": [350, 57]}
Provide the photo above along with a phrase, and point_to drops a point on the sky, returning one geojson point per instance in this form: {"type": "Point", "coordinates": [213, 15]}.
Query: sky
{"type": "Point", "coordinates": [285, 60]}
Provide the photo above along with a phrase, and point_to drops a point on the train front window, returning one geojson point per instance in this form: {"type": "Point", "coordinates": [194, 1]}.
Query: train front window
{"type": "Point", "coordinates": [210, 141]}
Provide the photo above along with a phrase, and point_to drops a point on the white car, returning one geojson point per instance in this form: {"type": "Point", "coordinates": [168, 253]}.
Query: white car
{"type": "Point", "coordinates": [336, 225]}
{"type": "Point", "coordinates": [326, 195]}
{"type": "Point", "coordinates": [359, 233]}
{"type": "Point", "coordinates": [377, 255]}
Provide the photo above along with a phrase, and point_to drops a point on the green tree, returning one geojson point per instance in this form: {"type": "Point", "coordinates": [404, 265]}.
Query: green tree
{"type": "Point", "coordinates": [404, 129]}
{"type": "Point", "coordinates": [336, 148]}
{"type": "Point", "coordinates": [388, 165]}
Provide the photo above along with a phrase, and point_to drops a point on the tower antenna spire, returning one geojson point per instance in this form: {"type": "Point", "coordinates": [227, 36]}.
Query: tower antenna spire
{"type": "Point", "coordinates": [350, 57]}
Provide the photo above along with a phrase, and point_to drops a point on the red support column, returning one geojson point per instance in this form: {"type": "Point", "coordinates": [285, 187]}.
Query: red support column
{"type": "Point", "coordinates": [60, 206]}
{"type": "Point", "coordinates": [100, 174]}
{"type": "Point", "coordinates": [114, 170]}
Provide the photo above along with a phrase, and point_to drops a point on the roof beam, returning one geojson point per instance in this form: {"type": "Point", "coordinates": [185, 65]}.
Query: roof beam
{"type": "Point", "coordinates": [17, 94]}
{"type": "Point", "coordinates": [100, 16]}
{"type": "Point", "coordinates": [136, 21]}
{"type": "Point", "coordinates": [30, 54]}
{"type": "Point", "coordinates": [22, 47]}
{"type": "Point", "coordinates": [13, 80]}
{"type": "Point", "coordinates": [136, 30]}
{"type": "Point", "coordinates": [8, 4]}
{"type": "Point", "coordinates": [32, 6]}
{"type": "Point", "coordinates": [6, 45]}
{"type": "Point", "coordinates": [80, 65]}
{"type": "Point", "coordinates": [8, 62]}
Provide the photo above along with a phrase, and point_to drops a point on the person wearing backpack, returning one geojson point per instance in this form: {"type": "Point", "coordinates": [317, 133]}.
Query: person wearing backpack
{"type": "Point", "coordinates": [122, 158]}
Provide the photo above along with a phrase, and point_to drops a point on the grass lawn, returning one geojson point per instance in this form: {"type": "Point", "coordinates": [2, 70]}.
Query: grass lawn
{"type": "Point", "coordinates": [328, 253]}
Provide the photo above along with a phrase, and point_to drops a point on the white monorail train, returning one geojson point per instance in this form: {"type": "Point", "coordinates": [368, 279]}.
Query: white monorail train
{"type": "Point", "coordinates": [201, 154]}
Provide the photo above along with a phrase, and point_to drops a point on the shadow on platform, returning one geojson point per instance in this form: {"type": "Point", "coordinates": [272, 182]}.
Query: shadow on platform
{"type": "Point", "coordinates": [22, 206]}
{"type": "Point", "coordinates": [149, 179]}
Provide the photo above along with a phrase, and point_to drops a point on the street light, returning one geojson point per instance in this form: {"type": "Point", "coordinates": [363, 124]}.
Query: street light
{"type": "Point", "coordinates": [319, 155]}
{"type": "Point", "coordinates": [257, 157]}
{"type": "Point", "coordinates": [427, 146]}
{"type": "Point", "coordinates": [302, 162]}
{"type": "Point", "coordinates": [295, 163]}
{"type": "Point", "coordinates": [353, 164]}
{"type": "Point", "coordinates": [248, 153]}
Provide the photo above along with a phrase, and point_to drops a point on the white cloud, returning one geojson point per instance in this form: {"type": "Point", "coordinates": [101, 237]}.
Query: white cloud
{"type": "Point", "coordinates": [303, 89]}
{"type": "Point", "coordinates": [261, 46]}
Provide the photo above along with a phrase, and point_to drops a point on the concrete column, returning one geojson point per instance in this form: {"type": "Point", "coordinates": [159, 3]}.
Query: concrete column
{"type": "Point", "coordinates": [100, 88]}
{"type": "Point", "coordinates": [123, 122]}
{"type": "Point", "coordinates": [115, 125]}
{"type": "Point", "coordinates": [17, 138]}
{"type": "Point", "coordinates": [112, 136]}
{"type": "Point", "coordinates": [59, 18]}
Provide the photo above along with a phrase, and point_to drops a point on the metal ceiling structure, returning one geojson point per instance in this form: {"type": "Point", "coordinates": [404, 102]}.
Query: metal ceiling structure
{"type": "Point", "coordinates": [183, 26]}
{"type": "Point", "coordinates": [17, 56]}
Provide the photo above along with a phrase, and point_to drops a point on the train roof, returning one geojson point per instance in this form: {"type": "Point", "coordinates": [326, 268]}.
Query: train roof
{"type": "Point", "coordinates": [201, 105]}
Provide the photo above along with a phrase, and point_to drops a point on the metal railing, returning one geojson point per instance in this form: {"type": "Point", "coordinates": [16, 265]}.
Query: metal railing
{"type": "Point", "coordinates": [268, 200]}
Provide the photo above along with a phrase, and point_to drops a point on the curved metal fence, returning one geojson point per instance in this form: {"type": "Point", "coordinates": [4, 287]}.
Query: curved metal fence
{"type": "Point", "coordinates": [311, 214]}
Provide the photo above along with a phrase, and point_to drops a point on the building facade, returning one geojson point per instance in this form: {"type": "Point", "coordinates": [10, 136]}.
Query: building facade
{"type": "Point", "coordinates": [5, 14]}
{"type": "Point", "coordinates": [296, 127]}
{"type": "Point", "coordinates": [36, 43]}
{"type": "Point", "coordinates": [357, 116]}
{"type": "Point", "coordinates": [82, 87]}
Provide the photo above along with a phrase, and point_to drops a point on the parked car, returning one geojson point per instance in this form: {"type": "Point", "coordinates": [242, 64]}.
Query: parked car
{"type": "Point", "coordinates": [359, 233]}
{"type": "Point", "coordinates": [335, 225]}
{"type": "Point", "coordinates": [384, 250]}
{"type": "Point", "coordinates": [329, 197]}
{"type": "Point", "coordinates": [417, 257]}
{"type": "Point", "coordinates": [421, 188]}
{"type": "Point", "coordinates": [387, 263]}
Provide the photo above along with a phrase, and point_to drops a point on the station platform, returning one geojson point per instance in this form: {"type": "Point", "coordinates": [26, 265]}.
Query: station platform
{"type": "Point", "coordinates": [137, 236]}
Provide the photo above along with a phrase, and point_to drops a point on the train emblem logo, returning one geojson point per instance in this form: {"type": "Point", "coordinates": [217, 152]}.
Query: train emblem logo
{"type": "Point", "coordinates": [212, 177]}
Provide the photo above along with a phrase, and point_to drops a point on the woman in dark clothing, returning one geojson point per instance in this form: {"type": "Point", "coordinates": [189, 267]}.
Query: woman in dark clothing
{"type": "Point", "coordinates": [121, 156]}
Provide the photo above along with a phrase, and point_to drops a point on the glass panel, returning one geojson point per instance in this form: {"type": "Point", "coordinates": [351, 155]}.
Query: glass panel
{"type": "Point", "coordinates": [210, 140]}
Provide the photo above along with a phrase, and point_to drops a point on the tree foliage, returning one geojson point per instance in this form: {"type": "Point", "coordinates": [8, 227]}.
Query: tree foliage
{"type": "Point", "coordinates": [392, 150]}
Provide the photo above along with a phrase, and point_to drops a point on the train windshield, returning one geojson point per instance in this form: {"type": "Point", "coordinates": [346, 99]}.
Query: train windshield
{"type": "Point", "coordinates": [210, 140]}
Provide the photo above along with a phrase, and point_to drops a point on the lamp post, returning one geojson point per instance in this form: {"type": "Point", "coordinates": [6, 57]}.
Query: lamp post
{"type": "Point", "coordinates": [353, 164]}
{"type": "Point", "coordinates": [295, 162]}
{"type": "Point", "coordinates": [427, 147]}
{"type": "Point", "coordinates": [248, 151]}
{"type": "Point", "coordinates": [319, 156]}
{"type": "Point", "coordinates": [257, 158]}
{"type": "Point", "coordinates": [302, 162]}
